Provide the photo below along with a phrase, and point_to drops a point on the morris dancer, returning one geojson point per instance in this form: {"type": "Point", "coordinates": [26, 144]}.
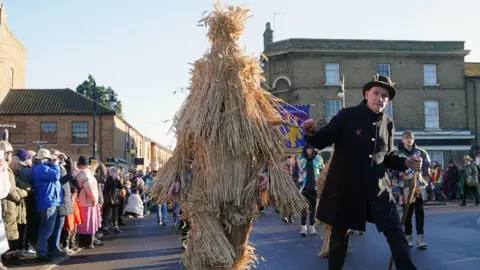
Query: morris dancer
{"type": "Point", "coordinates": [408, 148]}
{"type": "Point", "coordinates": [357, 188]}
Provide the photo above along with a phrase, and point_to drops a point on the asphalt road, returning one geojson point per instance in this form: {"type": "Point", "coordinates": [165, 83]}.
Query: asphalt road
{"type": "Point", "coordinates": [452, 233]}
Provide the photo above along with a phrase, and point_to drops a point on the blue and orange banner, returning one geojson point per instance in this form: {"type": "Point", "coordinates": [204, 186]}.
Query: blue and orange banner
{"type": "Point", "coordinates": [294, 136]}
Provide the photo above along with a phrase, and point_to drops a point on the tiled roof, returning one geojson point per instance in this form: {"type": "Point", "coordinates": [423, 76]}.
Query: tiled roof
{"type": "Point", "coordinates": [472, 69]}
{"type": "Point", "coordinates": [48, 102]}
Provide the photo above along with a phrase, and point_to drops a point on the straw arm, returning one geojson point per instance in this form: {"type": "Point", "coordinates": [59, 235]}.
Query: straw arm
{"type": "Point", "coordinates": [285, 123]}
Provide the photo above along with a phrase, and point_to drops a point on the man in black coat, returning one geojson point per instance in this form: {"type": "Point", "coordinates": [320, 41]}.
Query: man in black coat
{"type": "Point", "coordinates": [357, 188]}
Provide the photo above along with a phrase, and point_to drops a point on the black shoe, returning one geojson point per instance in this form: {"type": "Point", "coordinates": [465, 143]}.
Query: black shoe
{"type": "Point", "coordinates": [90, 247]}
{"type": "Point", "coordinates": [15, 261]}
{"type": "Point", "coordinates": [44, 259]}
{"type": "Point", "coordinates": [98, 243]}
{"type": "Point", "coordinates": [121, 223]}
{"type": "Point", "coordinates": [106, 232]}
{"type": "Point", "coordinates": [117, 231]}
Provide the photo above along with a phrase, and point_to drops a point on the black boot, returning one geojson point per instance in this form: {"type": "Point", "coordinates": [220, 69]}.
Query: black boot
{"type": "Point", "coordinates": [464, 200]}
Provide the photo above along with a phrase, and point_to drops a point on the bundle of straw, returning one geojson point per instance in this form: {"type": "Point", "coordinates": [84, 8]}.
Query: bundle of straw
{"type": "Point", "coordinates": [226, 134]}
{"type": "Point", "coordinates": [325, 227]}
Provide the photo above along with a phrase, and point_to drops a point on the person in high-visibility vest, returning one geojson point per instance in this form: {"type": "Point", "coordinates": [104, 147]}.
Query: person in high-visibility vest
{"type": "Point", "coordinates": [437, 179]}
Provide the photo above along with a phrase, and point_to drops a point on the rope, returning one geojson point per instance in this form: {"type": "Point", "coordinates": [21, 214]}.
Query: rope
{"type": "Point", "coordinates": [411, 193]}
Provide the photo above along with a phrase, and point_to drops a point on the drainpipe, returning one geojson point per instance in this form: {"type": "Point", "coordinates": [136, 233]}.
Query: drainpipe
{"type": "Point", "coordinates": [101, 138]}
{"type": "Point", "coordinates": [475, 113]}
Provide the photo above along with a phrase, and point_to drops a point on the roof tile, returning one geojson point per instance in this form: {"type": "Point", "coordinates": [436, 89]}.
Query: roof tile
{"type": "Point", "coordinates": [48, 102]}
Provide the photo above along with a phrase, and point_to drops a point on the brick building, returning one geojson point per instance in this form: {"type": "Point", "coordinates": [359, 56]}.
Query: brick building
{"type": "Point", "coordinates": [13, 58]}
{"type": "Point", "coordinates": [63, 119]}
{"type": "Point", "coordinates": [429, 77]}
{"type": "Point", "coordinates": [472, 81]}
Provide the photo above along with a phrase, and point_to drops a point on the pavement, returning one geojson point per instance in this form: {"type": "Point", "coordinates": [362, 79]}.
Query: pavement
{"type": "Point", "coordinates": [452, 233]}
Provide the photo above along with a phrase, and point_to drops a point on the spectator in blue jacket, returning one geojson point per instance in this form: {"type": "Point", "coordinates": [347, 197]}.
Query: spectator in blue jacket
{"type": "Point", "coordinates": [48, 197]}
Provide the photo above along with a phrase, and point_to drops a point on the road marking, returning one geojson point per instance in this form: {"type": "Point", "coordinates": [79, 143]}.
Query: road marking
{"type": "Point", "coordinates": [463, 260]}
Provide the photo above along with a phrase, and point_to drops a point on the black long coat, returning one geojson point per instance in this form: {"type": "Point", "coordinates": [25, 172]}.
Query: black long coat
{"type": "Point", "coordinates": [357, 188]}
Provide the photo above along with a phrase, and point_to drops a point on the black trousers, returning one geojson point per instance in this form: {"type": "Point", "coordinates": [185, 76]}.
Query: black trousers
{"type": "Point", "coordinates": [86, 240]}
{"type": "Point", "coordinates": [31, 231]}
{"type": "Point", "coordinates": [110, 214]}
{"type": "Point", "coordinates": [395, 238]}
{"type": "Point", "coordinates": [417, 206]}
{"type": "Point", "coordinates": [121, 206]}
{"type": "Point", "coordinates": [311, 196]}
{"type": "Point", "coordinates": [185, 227]}
{"type": "Point", "coordinates": [468, 190]}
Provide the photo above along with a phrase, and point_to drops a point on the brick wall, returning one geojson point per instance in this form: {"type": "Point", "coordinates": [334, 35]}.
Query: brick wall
{"type": "Point", "coordinates": [473, 98]}
{"type": "Point", "coordinates": [307, 74]}
{"type": "Point", "coordinates": [12, 57]}
{"type": "Point", "coordinates": [64, 134]}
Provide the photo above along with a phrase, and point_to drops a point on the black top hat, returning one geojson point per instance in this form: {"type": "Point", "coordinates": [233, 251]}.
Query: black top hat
{"type": "Point", "coordinates": [82, 161]}
{"type": "Point", "coordinates": [382, 81]}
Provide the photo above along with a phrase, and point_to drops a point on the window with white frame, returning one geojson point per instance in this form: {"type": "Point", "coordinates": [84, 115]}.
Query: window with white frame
{"type": "Point", "coordinates": [332, 73]}
{"type": "Point", "coordinates": [430, 74]}
{"type": "Point", "coordinates": [432, 119]}
{"type": "Point", "coordinates": [384, 69]}
{"type": "Point", "coordinates": [332, 107]}
{"type": "Point", "coordinates": [389, 110]}
{"type": "Point", "coordinates": [436, 156]}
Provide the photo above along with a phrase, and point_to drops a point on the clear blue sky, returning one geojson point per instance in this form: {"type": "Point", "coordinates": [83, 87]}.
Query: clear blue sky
{"type": "Point", "coordinates": [142, 49]}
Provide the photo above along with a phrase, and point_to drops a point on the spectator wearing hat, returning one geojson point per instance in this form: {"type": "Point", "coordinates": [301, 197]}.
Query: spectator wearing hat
{"type": "Point", "coordinates": [4, 191]}
{"type": "Point", "coordinates": [88, 203]}
{"type": "Point", "coordinates": [112, 199]}
{"type": "Point", "coordinates": [24, 181]}
{"type": "Point", "coordinates": [11, 205]}
{"type": "Point", "coordinates": [65, 207]}
{"type": "Point", "coordinates": [48, 197]}
{"type": "Point", "coordinates": [470, 184]}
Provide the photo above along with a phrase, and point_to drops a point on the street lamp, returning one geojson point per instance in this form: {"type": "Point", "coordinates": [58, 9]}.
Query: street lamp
{"type": "Point", "coordinates": [341, 91]}
{"type": "Point", "coordinates": [94, 118]}
{"type": "Point", "coordinates": [133, 152]}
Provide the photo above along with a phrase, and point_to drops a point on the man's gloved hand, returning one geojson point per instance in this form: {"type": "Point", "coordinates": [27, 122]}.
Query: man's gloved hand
{"type": "Point", "coordinates": [322, 123]}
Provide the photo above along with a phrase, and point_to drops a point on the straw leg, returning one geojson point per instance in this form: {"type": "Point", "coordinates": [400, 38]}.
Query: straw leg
{"type": "Point", "coordinates": [327, 230]}
{"type": "Point", "coordinates": [238, 238]}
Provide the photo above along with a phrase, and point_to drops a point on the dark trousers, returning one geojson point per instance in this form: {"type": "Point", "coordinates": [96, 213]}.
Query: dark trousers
{"type": "Point", "coordinates": [185, 226]}
{"type": "Point", "coordinates": [110, 214]}
{"type": "Point", "coordinates": [417, 206]}
{"type": "Point", "coordinates": [311, 196]}
{"type": "Point", "coordinates": [69, 238]}
{"type": "Point", "coordinates": [86, 240]}
{"type": "Point", "coordinates": [19, 243]}
{"type": "Point", "coordinates": [468, 190]}
{"type": "Point", "coordinates": [395, 238]}
{"type": "Point", "coordinates": [31, 231]}
{"type": "Point", "coordinates": [121, 206]}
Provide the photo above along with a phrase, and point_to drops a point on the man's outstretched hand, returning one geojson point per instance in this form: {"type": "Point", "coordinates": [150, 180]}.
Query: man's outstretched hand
{"type": "Point", "coordinates": [308, 126]}
{"type": "Point", "coordinates": [414, 163]}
